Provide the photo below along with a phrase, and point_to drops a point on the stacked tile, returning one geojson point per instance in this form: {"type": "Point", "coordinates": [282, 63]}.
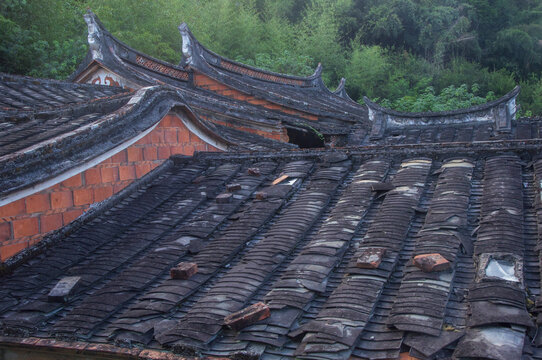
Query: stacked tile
{"type": "Point", "coordinates": [89, 243]}
{"type": "Point", "coordinates": [336, 329]}
{"type": "Point", "coordinates": [159, 256]}
{"type": "Point", "coordinates": [498, 316]}
{"type": "Point", "coordinates": [421, 302]}
{"type": "Point", "coordinates": [236, 288]}
{"type": "Point", "coordinates": [140, 318]}
{"type": "Point", "coordinates": [308, 273]}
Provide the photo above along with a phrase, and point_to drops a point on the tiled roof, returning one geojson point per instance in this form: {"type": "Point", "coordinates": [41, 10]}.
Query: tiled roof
{"type": "Point", "coordinates": [334, 110]}
{"type": "Point", "coordinates": [22, 93]}
{"type": "Point", "coordinates": [357, 253]}
{"type": "Point", "coordinates": [50, 127]}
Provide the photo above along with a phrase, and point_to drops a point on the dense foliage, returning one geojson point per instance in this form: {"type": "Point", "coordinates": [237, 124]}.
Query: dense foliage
{"type": "Point", "coordinates": [410, 54]}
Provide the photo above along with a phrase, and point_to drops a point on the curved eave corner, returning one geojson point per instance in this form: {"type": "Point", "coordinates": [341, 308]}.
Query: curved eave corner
{"type": "Point", "coordinates": [341, 91]}
{"type": "Point", "coordinates": [108, 52]}
{"type": "Point", "coordinates": [54, 160]}
{"type": "Point", "coordinates": [501, 112]}
{"type": "Point", "coordinates": [200, 58]}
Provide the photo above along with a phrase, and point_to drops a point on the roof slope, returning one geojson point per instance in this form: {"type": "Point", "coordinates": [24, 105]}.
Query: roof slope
{"type": "Point", "coordinates": [336, 112]}
{"type": "Point", "coordinates": [299, 245]}
{"type": "Point", "coordinates": [48, 128]}
{"type": "Point", "coordinates": [307, 94]}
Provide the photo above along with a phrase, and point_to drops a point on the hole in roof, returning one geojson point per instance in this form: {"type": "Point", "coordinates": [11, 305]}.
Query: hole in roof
{"type": "Point", "coordinates": [304, 138]}
{"type": "Point", "coordinates": [502, 269]}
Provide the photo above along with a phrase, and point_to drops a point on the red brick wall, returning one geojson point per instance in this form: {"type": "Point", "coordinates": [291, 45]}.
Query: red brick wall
{"type": "Point", "coordinates": [24, 222]}
{"type": "Point", "coordinates": [206, 82]}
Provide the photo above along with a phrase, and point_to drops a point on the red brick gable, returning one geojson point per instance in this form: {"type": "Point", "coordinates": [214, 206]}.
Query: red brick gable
{"type": "Point", "coordinates": [24, 222]}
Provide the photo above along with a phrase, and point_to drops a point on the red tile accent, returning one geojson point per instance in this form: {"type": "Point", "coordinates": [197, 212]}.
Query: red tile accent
{"type": "Point", "coordinates": [183, 270]}
{"type": "Point", "coordinates": [431, 262]}
{"type": "Point", "coordinates": [25, 227]}
{"type": "Point", "coordinates": [13, 208]}
{"type": "Point", "coordinates": [247, 316]}
{"type": "Point", "coordinates": [37, 203]}
{"type": "Point", "coordinates": [61, 199]}
{"type": "Point", "coordinates": [370, 258]}
{"type": "Point", "coordinates": [82, 196]}
{"type": "Point", "coordinates": [127, 172]}
{"type": "Point", "coordinates": [50, 222]}
{"type": "Point", "coordinates": [93, 176]}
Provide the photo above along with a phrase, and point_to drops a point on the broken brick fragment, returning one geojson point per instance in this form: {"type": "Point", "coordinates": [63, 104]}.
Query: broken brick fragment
{"type": "Point", "coordinates": [63, 289]}
{"type": "Point", "coordinates": [248, 316]}
{"type": "Point", "coordinates": [260, 195]}
{"type": "Point", "coordinates": [233, 187]}
{"type": "Point", "coordinates": [183, 270]}
{"type": "Point", "coordinates": [280, 179]}
{"type": "Point", "coordinates": [223, 198]}
{"type": "Point", "coordinates": [370, 258]}
{"type": "Point", "coordinates": [254, 171]}
{"type": "Point", "coordinates": [431, 262]}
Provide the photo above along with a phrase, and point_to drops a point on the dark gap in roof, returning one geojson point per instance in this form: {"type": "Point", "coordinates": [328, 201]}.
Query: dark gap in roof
{"type": "Point", "coordinates": [305, 138]}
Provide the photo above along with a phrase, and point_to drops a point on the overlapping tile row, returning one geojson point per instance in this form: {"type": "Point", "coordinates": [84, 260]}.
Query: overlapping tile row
{"type": "Point", "coordinates": [131, 244]}
{"type": "Point", "coordinates": [444, 133]}
{"type": "Point", "coordinates": [347, 311]}
{"type": "Point", "coordinates": [253, 347]}
{"type": "Point", "coordinates": [538, 206]}
{"type": "Point", "coordinates": [422, 298]}
{"type": "Point", "coordinates": [424, 346]}
{"type": "Point", "coordinates": [498, 318]}
{"type": "Point", "coordinates": [167, 249]}
{"type": "Point", "coordinates": [87, 242]}
{"type": "Point", "coordinates": [530, 233]}
{"type": "Point", "coordinates": [236, 288]}
{"type": "Point", "coordinates": [135, 323]}
{"type": "Point", "coordinates": [378, 340]}
{"type": "Point", "coordinates": [307, 274]}
{"type": "Point", "coordinates": [24, 93]}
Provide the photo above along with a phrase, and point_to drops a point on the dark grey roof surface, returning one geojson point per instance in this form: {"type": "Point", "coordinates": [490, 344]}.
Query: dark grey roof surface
{"type": "Point", "coordinates": [296, 249]}
{"type": "Point", "coordinates": [64, 125]}
{"type": "Point", "coordinates": [22, 93]}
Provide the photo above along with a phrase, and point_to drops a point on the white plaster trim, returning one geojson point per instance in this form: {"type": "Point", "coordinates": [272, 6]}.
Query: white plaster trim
{"type": "Point", "coordinates": [194, 129]}
{"type": "Point", "coordinates": [73, 171]}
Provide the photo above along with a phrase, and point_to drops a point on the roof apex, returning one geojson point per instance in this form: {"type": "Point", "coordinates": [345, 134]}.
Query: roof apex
{"type": "Point", "coordinates": [95, 34]}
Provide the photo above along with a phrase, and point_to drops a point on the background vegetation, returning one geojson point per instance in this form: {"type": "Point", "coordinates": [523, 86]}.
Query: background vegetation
{"type": "Point", "coordinates": [412, 55]}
